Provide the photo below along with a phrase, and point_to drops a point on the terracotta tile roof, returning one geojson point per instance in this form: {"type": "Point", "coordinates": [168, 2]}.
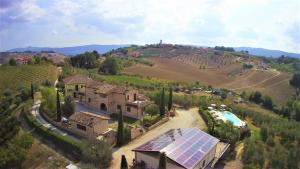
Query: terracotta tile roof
{"type": "Point", "coordinates": [86, 118]}
{"type": "Point", "coordinates": [77, 79]}
{"type": "Point", "coordinates": [100, 86]}
{"type": "Point", "coordinates": [120, 89]}
{"type": "Point", "coordinates": [105, 88]}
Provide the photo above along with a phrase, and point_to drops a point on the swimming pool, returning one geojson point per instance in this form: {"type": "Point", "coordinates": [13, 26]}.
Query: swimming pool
{"type": "Point", "coordinates": [232, 118]}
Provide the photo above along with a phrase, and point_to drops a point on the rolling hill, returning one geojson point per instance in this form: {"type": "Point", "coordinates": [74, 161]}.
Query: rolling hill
{"type": "Point", "coordinates": [216, 68]}
{"type": "Point", "coordinates": [105, 48]}
{"type": "Point", "coordinates": [267, 52]}
{"type": "Point", "coordinates": [70, 50]}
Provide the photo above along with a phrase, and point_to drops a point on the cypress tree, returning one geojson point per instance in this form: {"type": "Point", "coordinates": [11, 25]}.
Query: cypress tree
{"type": "Point", "coordinates": [32, 91]}
{"type": "Point", "coordinates": [162, 161]}
{"type": "Point", "coordinates": [162, 103]}
{"type": "Point", "coordinates": [124, 164]}
{"type": "Point", "coordinates": [58, 110]}
{"type": "Point", "coordinates": [120, 132]}
{"type": "Point", "coordinates": [170, 103]}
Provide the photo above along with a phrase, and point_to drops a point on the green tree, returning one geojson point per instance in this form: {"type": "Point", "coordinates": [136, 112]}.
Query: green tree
{"type": "Point", "coordinates": [85, 60]}
{"type": "Point", "coordinates": [170, 103]}
{"type": "Point", "coordinates": [58, 109]}
{"type": "Point", "coordinates": [264, 132]}
{"type": "Point", "coordinates": [110, 66]}
{"type": "Point", "coordinates": [255, 97]}
{"type": "Point", "coordinates": [296, 109]}
{"type": "Point", "coordinates": [270, 141]}
{"type": "Point", "coordinates": [98, 153]}
{"type": "Point", "coordinates": [124, 164]}
{"type": "Point", "coordinates": [278, 157]}
{"type": "Point", "coordinates": [32, 91]}
{"type": "Point", "coordinates": [268, 102]}
{"type": "Point", "coordinates": [24, 93]}
{"type": "Point", "coordinates": [12, 62]}
{"type": "Point", "coordinates": [295, 81]}
{"type": "Point", "coordinates": [120, 132]}
{"type": "Point", "coordinates": [49, 101]}
{"type": "Point", "coordinates": [152, 109]}
{"type": "Point", "coordinates": [292, 160]}
{"type": "Point", "coordinates": [253, 152]}
{"type": "Point", "coordinates": [68, 108]}
{"type": "Point", "coordinates": [162, 103]}
{"type": "Point", "coordinates": [162, 161]}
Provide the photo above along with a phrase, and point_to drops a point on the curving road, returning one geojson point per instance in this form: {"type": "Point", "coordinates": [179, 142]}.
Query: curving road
{"type": "Point", "coordinates": [36, 114]}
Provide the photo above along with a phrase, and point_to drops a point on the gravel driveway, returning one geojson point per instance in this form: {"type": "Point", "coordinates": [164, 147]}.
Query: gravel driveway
{"type": "Point", "coordinates": [183, 119]}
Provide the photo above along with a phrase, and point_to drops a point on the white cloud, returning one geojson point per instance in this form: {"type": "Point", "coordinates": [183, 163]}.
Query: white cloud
{"type": "Point", "coordinates": [257, 23]}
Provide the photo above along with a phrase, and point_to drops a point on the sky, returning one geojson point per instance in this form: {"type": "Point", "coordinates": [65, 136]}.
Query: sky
{"type": "Point", "coordinates": [272, 24]}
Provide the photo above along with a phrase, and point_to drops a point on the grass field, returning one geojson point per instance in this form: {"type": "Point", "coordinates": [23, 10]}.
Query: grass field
{"type": "Point", "coordinates": [270, 82]}
{"type": "Point", "coordinates": [136, 81]}
{"type": "Point", "coordinates": [13, 77]}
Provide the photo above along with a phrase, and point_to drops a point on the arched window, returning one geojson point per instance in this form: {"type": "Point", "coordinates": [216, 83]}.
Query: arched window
{"type": "Point", "coordinates": [103, 107]}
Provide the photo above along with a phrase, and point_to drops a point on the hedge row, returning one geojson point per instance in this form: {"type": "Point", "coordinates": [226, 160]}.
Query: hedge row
{"type": "Point", "coordinates": [63, 142]}
{"type": "Point", "coordinates": [207, 118]}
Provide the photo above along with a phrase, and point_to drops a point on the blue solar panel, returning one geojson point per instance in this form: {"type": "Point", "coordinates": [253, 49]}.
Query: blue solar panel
{"type": "Point", "coordinates": [185, 146]}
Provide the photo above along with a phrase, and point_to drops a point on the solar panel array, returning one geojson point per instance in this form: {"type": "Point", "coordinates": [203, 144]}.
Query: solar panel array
{"type": "Point", "coordinates": [162, 141]}
{"type": "Point", "coordinates": [185, 146]}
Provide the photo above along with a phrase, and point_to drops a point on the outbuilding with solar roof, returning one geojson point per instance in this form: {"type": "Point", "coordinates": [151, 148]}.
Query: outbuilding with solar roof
{"type": "Point", "coordinates": [186, 148]}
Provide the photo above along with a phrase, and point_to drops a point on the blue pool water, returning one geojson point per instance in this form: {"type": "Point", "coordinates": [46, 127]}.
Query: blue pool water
{"type": "Point", "coordinates": [232, 118]}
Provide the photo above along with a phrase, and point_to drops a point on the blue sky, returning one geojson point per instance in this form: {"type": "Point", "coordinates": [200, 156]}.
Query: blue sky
{"type": "Point", "coordinates": [273, 24]}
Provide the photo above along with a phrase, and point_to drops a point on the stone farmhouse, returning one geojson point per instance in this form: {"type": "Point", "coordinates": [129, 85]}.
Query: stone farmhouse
{"type": "Point", "coordinates": [92, 126]}
{"type": "Point", "coordinates": [106, 98]}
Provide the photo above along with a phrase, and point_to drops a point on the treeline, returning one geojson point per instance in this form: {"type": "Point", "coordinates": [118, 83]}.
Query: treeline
{"type": "Point", "coordinates": [33, 60]}
{"type": "Point", "coordinates": [86, 60]}
{"type": "Point", "coordinates": [222, 48]}
{"type": "Point", "coordinates": [291, 110]}
{"type": "Point", "coordinates": [185, 100]}
{"type": "Point", "coordinates": [279, 143]}
{"type": "Point", "coordinates": [284, 63]}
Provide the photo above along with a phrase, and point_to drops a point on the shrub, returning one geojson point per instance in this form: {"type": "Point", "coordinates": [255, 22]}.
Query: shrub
{"type": "Point", "coordinates": [12, 62]}
{"type": "Point", "coordinates": [150, 120]}
{"type": "Point", "coordinates": [127, 134]}
{"type": "Point", "coordinates": [152, 109]}
{"type": "Point", "coordinates": [295, 81]}
{"type": "Point", "coordinates": [98, 153]}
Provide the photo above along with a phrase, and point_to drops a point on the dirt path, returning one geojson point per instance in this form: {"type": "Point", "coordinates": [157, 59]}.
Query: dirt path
{"type": "Point", "coordinates": [261, 82]}
{"type": "Point", "coordinates": [184, 119]}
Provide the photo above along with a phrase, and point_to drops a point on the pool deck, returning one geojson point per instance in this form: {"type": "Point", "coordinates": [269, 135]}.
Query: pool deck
{"type": "Point", "coordinates": [219, 115]}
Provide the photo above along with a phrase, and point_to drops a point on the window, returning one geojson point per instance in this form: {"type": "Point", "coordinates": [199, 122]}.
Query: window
{"type": "Point", "coordinates": [81, 86]}
{"type": "Point", "coordinates": [203, 164]}
{"type": "Point", "coordinates": [127, 97]}
{"type": "Point", "coordinates": [81, 127]}
{"type": "Point", "coordinates": [134, 96]}
{"type": "Point", "coordinates": [75, 96]}
{"type": "Point", "coordinates": [128, 109]}
{"type": "Point", "coordinates": [76, 87]}
{"type": "Point", "coordinates": [90, 100]}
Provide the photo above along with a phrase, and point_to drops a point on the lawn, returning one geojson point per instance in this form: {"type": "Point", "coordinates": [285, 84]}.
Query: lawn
{"type": "Point", "coordinates": [13, 77]}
